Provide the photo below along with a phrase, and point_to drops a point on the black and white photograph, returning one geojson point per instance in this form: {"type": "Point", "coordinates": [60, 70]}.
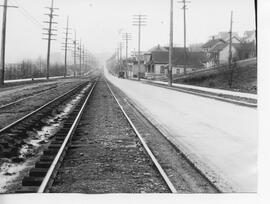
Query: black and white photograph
{"type": "Point", "coordinates": [129, 97]}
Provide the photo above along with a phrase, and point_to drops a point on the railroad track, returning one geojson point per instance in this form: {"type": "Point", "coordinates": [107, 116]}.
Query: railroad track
{"type": "Point", "coordinates": [24, 98]}
{"type": "Point", "coordinates": [9, 104]}
{"type": "Point", "coordinates": [42, 177]}
{"type": "Point", "coordinates": [12, 136]}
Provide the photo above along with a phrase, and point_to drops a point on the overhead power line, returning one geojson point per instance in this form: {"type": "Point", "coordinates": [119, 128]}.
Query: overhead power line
{"type": "Point", "coordinates": [27, 14]}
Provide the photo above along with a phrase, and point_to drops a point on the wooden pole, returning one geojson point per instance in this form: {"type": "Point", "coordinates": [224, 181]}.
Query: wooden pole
{"type": "Point", "coordinates": [3, 43]}
{"type": "Point", "coordinates": [171, 46]}
{"type": "Point", "coordinates": [66, 43]}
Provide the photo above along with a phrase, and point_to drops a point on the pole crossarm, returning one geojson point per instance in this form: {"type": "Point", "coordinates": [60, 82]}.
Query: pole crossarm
{"type": "Point", "coordinates": [50, 22]}
{"type": "Point", "coordinates": [184, 2]}
{"type": "Point", "coordinates": [139, 20]}
{"type": "Point", "coordinates": [51, 8]}
{"type": "Point", "coordinates": [9, 6]}
{"type": "Point", "coordinates": [126, 37]}
{"type": "Point", "coordinates": [49, 35]}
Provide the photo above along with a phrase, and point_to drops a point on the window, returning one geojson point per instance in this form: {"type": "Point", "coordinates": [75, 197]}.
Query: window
{"type": "Point", "coordinates": [162, 70]}
{"type": "Point", "coordinates": [177, 71]}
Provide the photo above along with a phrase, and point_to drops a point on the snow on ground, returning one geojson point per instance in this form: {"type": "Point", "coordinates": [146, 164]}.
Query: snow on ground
{"type": "Point", "coordinates": [211, 90]}
{"type": "Point", "coordinates": [222, 135]}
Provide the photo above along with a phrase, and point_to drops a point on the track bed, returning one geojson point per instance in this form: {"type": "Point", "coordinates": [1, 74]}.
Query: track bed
{"type": "Point", "coordinates": [106, 156]}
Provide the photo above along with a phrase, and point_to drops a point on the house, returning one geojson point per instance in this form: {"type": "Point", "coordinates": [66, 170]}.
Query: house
{"type": "Point", "coordinates": [250, 42]}
{"type": "Point", "coordinates": [212, 49]}
{"type": "Point", "coordinates": [133, 68]}
{"type": "Point", "coordinates": [157, 60]}
{"type": "Point", "coordinates": [217, 50]}
{"type": "Point", "coordinates": [248, 50]}
{"type": "Point", "coordinates": [249, 36]}
{"type": "Point", "coordinates": [211, 44]}
{"type": "Point", "coordinates": [234, 40]}
{"type": "Point", "coordinates": [223, 57]}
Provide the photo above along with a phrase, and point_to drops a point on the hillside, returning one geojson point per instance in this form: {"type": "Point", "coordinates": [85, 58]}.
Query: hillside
{"type": "Point", "coordinates": [244, 78]}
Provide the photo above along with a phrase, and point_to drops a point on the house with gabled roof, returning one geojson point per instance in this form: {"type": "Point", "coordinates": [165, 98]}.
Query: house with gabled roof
{"type": "Point", "coordinates": [157, 60]}
{"type": "Point", "coordinates": [211, 44]}
{"type": "Point", "coordinates": [212, 49]}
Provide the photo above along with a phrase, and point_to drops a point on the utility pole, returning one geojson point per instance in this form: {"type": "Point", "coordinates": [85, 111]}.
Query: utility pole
{"type": "Point", "coordinates": [117, 59]}
{"type": "Point", "coordinates": [83, 57]}
{"type": "Point", "coordinates": [3, 41]}
{"type": "Point", "coordinates": [171, 46]}
{"type": "Point", "coordinates": [139, 20]}
{"type": "Point", "coordinates": [230, 51]}
{"type": "Point", "coordinates": [80, 56]}
{"type": "Point", "coordinates": [126, 38]}
{"type": "Point", "coordinates": [49, 35]}
{"type": "Point", "coordinates": [120, 55]}
{"type": "Point", "coordinates": [66, 45]}
{"type": "Point", "coordinates": [75, 53]}
{"type": "Point", "coordinates": [185, 34]}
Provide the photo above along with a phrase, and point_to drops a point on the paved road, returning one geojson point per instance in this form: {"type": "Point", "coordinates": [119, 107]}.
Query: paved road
{"type": "Point", "coordinates": [219, 136]}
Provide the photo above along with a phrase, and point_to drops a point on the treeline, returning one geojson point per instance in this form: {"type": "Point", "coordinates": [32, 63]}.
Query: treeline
{"type": "Point", "coordinates": [29, 69]}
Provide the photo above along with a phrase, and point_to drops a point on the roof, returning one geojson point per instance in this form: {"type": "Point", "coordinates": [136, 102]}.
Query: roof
{"type": "Point", "coordinates": [160, 57]}
{"type": "Point", "coordinates": [194, 59]}
{"type": "Point", "coordinates": [212, 42]}
{"type": "Point", "coordinates": [218, 47]}
{"type": "Point", "coordinates": [249, 33]}
{"type": "Point", "coordinates": [233, 37]}
{"type": "Point", "coordinates": [157, 49]}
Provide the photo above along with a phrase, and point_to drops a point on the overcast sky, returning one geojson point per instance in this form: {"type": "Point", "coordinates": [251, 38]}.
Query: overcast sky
{"type": "Point", "coordinates": [98, 23]}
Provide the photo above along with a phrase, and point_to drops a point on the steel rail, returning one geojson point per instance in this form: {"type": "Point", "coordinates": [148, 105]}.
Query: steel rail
{"type": "Point", "coordinates": [38, 109]}
{"type": "Point", "coordinates": [184, 155]}
{"type": "Point", "coordinates": [48, 179]}
{"type": "Point", "coordinates": [151, 155]}
{"type": "Point", "coordinates": [23, 99]}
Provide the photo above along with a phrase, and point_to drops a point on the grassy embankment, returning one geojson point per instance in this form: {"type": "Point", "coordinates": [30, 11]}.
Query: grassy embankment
{"type": "Point", "coordinates": [244, 79]}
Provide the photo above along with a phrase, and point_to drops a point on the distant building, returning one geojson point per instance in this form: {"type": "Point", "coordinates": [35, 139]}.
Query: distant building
{"type": "Point", "coordinates": [211, 50]}
{"type": "Point", "coordinates": [249, 36]}
{"type": "Point", "coordinates": [217, 48]}
{"type": "Point", "coordinates": [133, 67]}
{"type": "Point", "coordinates": [224, 53]}
{"type": "Point", "coordinates": [157, 60]}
